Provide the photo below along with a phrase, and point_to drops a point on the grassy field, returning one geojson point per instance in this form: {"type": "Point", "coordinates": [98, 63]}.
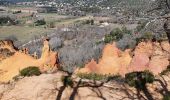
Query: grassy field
{"type": "Point", "coordinates": [52, 16]}
{"type": "Point", "coordinates": [72, 21]}
{"type": "Point", "coordinates": [61, 19]}
{"type": "Point", "coordinates": [23, 33]}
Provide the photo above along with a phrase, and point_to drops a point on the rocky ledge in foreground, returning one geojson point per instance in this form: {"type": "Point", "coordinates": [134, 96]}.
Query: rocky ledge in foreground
{"type": "Point", "coordinates": [50, 87]}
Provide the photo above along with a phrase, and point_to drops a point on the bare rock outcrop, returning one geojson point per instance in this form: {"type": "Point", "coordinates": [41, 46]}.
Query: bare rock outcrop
{"type": "Point", "coordinates": [113, 60]}
{"type": "Point", "coordinates": [50, 87]}
{"type": "Point", "coordinates": [10, 66]}
{"type": "Point", "coordinates": [152, 56]}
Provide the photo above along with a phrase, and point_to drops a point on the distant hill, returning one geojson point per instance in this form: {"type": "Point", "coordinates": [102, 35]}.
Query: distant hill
{"type": "Point", "coordinates": [14, 1]}
{"type": "Point", "coordinates": [135, 4]}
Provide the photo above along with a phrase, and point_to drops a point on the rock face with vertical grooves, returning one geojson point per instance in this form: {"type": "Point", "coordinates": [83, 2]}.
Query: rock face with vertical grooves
{"type": "Point", "coordinates": [152, 56]}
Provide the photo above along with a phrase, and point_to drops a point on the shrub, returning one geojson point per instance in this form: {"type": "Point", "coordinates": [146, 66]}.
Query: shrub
{"type": "Point", "coordinates": [116, 34]}
{"type": "Point", "coordinates": [141, 25]}
{"type": "Point", "coordinates": [125, 30]}
{"type": "Point", "coordinates": [139, 79]}
{"type": "Point", "coordinates": [16, 12]}
{"type": "Point", "coordinates": [148, 36]}
{"type": "Point", "coordinates": [165, 71]}
{"type": "Point", "coordinates": [108, 39]}
{"type": "Point", "coordinates": [98, 42]}
{"type": "Point", "coordinates": [91, 76]}
{"type": "Point", "coordinates": [4, 20]}
{"type": "Point", "coordinates": [97, 77]}
{"type": "Point", "coordinates": [145, 36]}
{"type": "Point", "coordinates": [40, 22]}
{"type": "Point", "coordinates": [51, 25]}
{"type": "Point", "coordinates": [30, 71]}
{"type": "Point", "coordinates": [87, 22]}
{"type": "Point", "coordinates": [101, 21]}
{"type": "Point", "coordinates": [166, 97]}
{"type": "Point", "coordinates": [116, 77]}
{"type": "Point", "coordinates": [91, 22]}
{"type": "Point", "coordinates": [67, 81]}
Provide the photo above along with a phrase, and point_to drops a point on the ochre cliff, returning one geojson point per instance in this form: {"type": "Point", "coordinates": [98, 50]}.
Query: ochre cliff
{"type": "Point", "coordinates": [10, 66]}
{"type": "Point", "coordinates": [152, 56]}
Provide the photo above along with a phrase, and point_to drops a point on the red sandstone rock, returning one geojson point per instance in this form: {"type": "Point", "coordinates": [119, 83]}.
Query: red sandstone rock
{"type": "Point", "coordinates": [158, 63]}
{"type": "Point", "coordinates": [144, 48]}
{"type": "Point", "coordinates": [165, 46]}
{"type": "Point", "coordinates": [150, 56]}
{"type": "Point", "coordinates": [139, 62]}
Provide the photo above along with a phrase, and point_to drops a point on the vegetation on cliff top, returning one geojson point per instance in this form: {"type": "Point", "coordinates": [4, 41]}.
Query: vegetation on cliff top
{"type": "Point", "coordinates": [30, 71]}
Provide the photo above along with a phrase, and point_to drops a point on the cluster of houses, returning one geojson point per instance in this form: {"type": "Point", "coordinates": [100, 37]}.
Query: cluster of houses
{"type": "Point", "coordinates": [75, 7]}
{"type": "Point", "coordinates": [78, 8]}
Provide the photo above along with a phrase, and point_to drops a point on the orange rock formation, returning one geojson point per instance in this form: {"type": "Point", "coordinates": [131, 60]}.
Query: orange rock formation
{"type": "Point", "coordinates": [147, 56]}
{"type": "Point", "coordinates": [11, 66]}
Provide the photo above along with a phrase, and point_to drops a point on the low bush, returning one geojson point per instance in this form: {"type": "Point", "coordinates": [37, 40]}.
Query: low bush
{"type": "Point", "coordinates": [141, 25]}
{"type": "Point", "coordinates": [30, 71]}
{"type": "Point", "coordinates": [98, 42]}
{"type": "Point", "coordinates": [97, 77]}
{"type": "Point", "coordinates": [67, 81]}
{"type": "Point", "coordinates": [16, 12]}
{"type": "Point", "coordinates": [148, 36]}
{"type": "Point", "coordinates": [108, 39]}
{"type": "Point", "coordinates": [166, 97]}
{"type": "Point", "coordinates": [125, 30]}
{"type": "Point", "coordinates": [116, 34]}
{"type": "Point", "coordinates": [51, 25]}
{"type": "Point", "coordinates": [5, 20]}
{"type": "Point", "coordinates": [91, 76]}
{"type": "Point", "coordinates": [40, 22]}
{"type": "Point", "coordinates": [90, 22]}
{"type": "Point", "coordinates": [139, 79]}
